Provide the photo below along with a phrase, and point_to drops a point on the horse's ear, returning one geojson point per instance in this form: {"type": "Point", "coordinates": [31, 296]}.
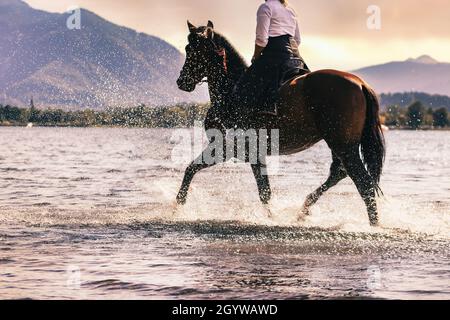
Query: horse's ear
{"type": "Point", "coordinates": [191, 27]}
{"type": "Point", "coordinates": [210, 30]}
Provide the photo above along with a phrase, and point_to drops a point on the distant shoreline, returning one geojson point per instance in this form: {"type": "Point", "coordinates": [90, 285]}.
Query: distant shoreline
{"type": "Point", "coordinates": [419, 129]}
{"type": "Point", "coordinates": [21, 125]}
{"type": "Point", "coordinates": [187, 115]}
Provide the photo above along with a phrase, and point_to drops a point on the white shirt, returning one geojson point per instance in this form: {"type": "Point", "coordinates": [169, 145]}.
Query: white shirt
{"type": "Point", "coordinates": [273, 20]}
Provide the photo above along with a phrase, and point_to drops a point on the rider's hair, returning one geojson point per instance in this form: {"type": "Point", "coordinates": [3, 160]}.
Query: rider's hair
{"type": "Point", "coordinates": [284, 2]}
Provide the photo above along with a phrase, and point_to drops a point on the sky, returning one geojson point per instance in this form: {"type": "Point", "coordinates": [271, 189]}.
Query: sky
{"type": "Point", "coordinates": [335, 33]}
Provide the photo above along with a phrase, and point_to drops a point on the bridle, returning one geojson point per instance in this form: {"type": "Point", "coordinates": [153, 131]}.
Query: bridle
{"type": "Point", "coordinates": [221, 52]}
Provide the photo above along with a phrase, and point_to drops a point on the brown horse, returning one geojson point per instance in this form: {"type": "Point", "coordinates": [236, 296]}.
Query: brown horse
{"type": "Point", "coordinates": [329, 105]}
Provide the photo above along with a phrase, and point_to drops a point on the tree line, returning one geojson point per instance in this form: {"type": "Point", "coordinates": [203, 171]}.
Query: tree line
{"type": "Point", "coordinates": [405, 99]}
{"type": "Point", "coordinates": [181, 115]}
{"type": "Point", "coordinates": [415, 116]}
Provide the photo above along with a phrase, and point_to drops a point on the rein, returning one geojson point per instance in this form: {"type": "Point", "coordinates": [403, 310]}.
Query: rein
{"type": "Point", "coordinates": [221, 52]}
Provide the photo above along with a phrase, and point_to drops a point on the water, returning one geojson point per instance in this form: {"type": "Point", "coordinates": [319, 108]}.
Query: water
{"type": "Point", "coordinates": [90, 213]}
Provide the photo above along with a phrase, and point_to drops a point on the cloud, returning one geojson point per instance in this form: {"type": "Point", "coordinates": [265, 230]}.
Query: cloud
{"type": "Point", "coordinates": [338, 25]}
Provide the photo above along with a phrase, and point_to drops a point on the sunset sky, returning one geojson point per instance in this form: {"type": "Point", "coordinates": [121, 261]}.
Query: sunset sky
{"type": "Point", "coordinates": [334, 32]}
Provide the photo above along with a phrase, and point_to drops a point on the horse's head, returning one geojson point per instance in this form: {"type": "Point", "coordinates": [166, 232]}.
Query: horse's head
{"type": "Point", "coordinates": [202, 55]}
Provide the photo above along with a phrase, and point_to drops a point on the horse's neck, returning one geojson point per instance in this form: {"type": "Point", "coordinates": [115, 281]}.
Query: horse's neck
{"type": "Point", "coordinates": [220, 89]}
{"type": "Point", "coordinates": [221, 85]}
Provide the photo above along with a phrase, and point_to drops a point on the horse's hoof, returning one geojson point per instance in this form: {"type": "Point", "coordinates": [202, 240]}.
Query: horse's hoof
{"type": "Point", "coordinates": [301, 218]}
{"type": "Point", "coordinates": [265, 198]}
{"type": "Point", "coordinates": [374, 221]}
{"type": "Point", "coordinates": [305, 211]}
{"type": "Point", "coordinates": [181, 200]}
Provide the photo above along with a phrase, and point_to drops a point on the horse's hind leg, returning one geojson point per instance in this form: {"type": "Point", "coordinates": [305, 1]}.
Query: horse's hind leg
{"type": "Point", "coordinates": [337, 173]}
{"type": "Point", "coordinates": [262, 181]}
{"type": "Point", "coordinates": [363, 181]}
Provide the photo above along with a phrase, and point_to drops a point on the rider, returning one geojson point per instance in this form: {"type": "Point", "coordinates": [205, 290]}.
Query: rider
{"type": "Point", "coordinates": [276, 58]}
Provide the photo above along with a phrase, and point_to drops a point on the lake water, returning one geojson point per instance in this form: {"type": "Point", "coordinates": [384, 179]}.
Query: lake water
{"type": "Point", "coordinates": [90, 213]}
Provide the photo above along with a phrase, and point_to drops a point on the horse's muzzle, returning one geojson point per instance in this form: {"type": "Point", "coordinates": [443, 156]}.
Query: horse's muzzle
{"type": "Point", "coordinates": [185, 85]}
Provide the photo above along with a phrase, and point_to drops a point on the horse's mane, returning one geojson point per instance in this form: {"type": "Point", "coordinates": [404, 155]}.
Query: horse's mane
{"type": "Point", "coordinates": [236, 63]}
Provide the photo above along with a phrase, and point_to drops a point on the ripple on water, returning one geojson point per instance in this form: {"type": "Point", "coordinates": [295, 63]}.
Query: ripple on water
{"type": "Point", "coordinates": [100, 218]}
{"type": "Point", "coordinates": [115, 284]}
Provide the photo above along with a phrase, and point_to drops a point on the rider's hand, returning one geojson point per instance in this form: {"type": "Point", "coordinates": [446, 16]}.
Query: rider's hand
{"type": "Point", "coordinates": [258, 52]}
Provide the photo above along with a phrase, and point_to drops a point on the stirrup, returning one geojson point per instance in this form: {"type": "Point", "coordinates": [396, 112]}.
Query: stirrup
{"type": "Point", "coordinates": [268, 113]}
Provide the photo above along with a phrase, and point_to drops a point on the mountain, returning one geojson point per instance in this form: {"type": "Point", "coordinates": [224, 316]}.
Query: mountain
{"type": "Point", "coordinates": [423, 74]}
{"type": "Point", "coordinates": [104, 64]}
{"type": "Point", "coordinates": [425, 59]}
{"type": "Point", "coordinates": [100, 65]}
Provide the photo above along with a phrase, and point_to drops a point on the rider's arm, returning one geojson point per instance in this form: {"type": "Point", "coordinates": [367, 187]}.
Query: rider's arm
{"type": "Point", "coordinates": [262, 29]}
{"type": "Point", "coordinates": [297, 37]}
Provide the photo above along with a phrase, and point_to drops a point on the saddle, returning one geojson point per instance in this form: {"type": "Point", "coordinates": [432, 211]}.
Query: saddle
{"type": "Point", "coordinates": [269, 107]}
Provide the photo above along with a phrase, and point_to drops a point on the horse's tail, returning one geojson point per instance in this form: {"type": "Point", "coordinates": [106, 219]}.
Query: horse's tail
{"type": "Point", "coordinates": [373, 147]}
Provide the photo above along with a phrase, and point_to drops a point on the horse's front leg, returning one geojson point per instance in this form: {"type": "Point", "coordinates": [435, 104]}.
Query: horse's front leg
{"type": "Point", "coordinates": [262, 181]}
{"type": "Point", "coordinates": [189, 174]}
{"type": "Point", "coordinates": [215, 153]}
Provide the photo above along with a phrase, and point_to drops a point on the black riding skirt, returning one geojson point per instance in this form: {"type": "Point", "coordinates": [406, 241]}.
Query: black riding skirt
{"type": "Point", "coordinates": [257, 90]}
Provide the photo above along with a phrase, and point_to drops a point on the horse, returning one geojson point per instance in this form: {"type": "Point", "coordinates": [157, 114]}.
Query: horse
{"type": "Point", "coordinates": [329, 105]}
